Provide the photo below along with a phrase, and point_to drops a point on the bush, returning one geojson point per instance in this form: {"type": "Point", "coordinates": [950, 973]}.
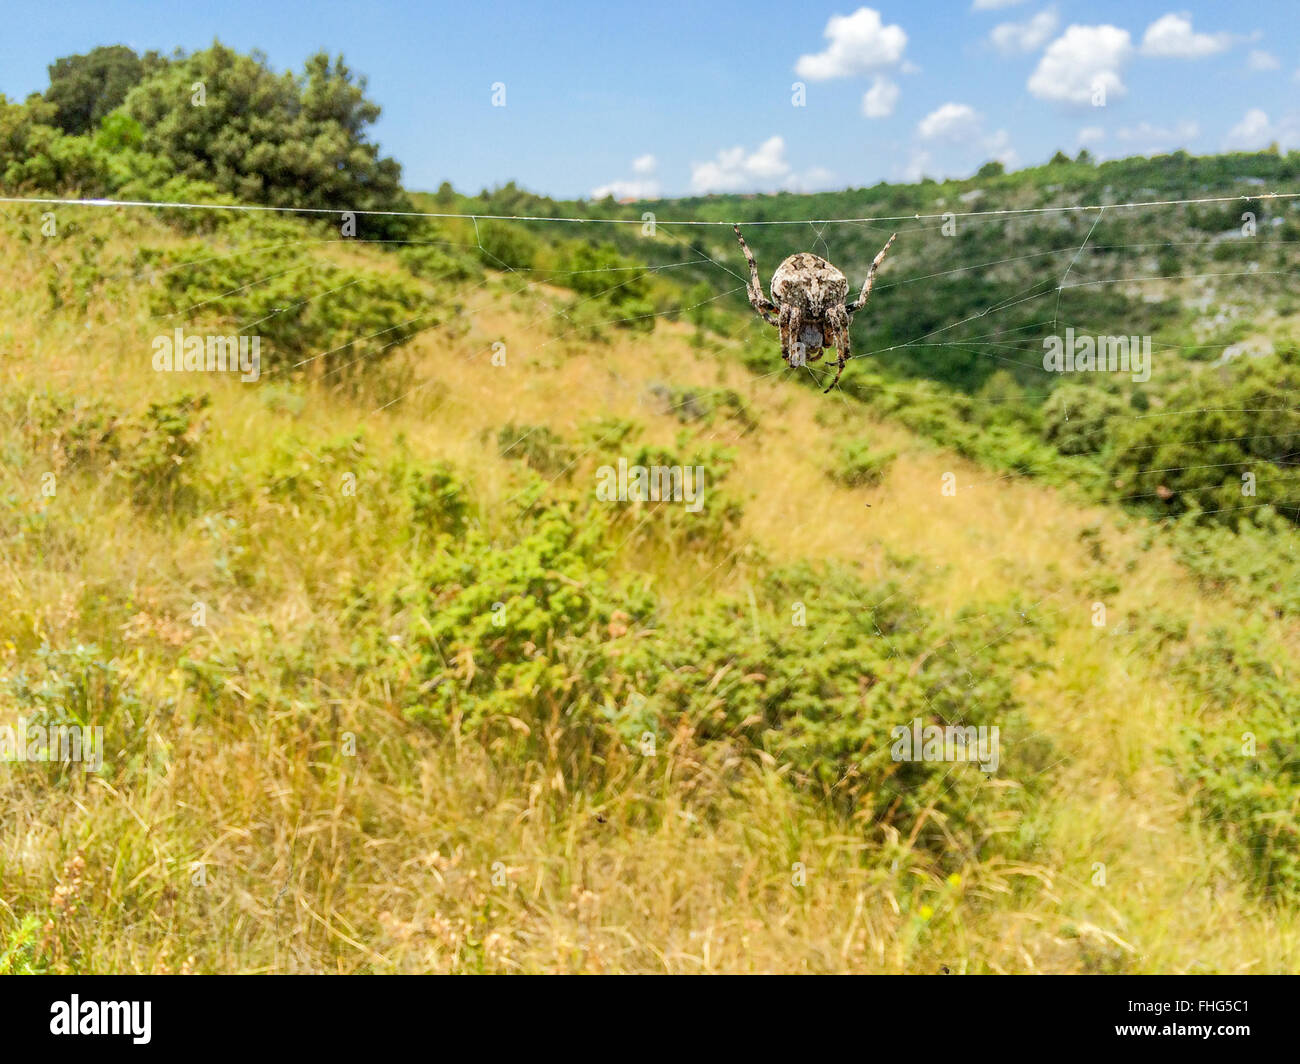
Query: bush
{"type": "Point", "coordinates": [859, 466]}
{"type": "Point", "coordinates": [1244, 564]}
{"type": "Point", "coordinates": [75, 433]}
{"type": "Point", "coordinates": [1076, 418]}
{"type": "Point", "coordinates": [440, 261]}
{"type": "Point", "coordinates": [529, 645]}
{"type": "Point", "coordinates": [438, 499]}
{"type": "Point", "coordinates": [157, 465]}
{"type": "Point", "coordinates": [703, 405]}
{"type": "Point", "coordinates": [84, 686]}
{"type": "Point", "coordinates": [85, 88]}
{"type": "Point", "coordinates": [1220, 437]}
{"type": "Point", "coordinates": [504, 246]}
{"type": "Point", "coordinates": [536, 446]}
{"type": "Point", "coordinates": [311, 316]}
{"type": "Point", "coordinates": [1253, 796]}
{"type": "Point", "coordinates": [37, 156]}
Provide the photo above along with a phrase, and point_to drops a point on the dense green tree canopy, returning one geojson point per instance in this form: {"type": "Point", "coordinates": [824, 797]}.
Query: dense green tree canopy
{"type": "Point", "coordinates": [227, 118]}
{"type": "Point", "coordinates": [85, 88]}
{"type": "Point", "coordinates": [212, 125]}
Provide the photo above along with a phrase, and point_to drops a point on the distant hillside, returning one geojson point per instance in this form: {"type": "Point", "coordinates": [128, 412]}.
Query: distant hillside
{"type": "Point", "coordinates": [969, 296]}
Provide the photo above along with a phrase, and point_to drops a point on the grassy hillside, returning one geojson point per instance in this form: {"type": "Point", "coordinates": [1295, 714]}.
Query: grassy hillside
{"type": "Point", "coordinates": [388, 681]}
{"type": "Point", "coordinates": [410, 732]}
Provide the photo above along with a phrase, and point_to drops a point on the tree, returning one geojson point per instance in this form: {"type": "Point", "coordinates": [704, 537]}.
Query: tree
{"type": "Point", "coordinates": [992, 168]}
{"type": "Point", "coordinates": [85, 88]}
{"type": "Point", "coordinates": [263, 137]}
{"type": "Point", "coordinates": [35, 154]}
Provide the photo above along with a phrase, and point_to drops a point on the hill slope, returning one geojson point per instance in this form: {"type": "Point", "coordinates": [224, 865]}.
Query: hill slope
{"type": "Point", "coordinates": [410, 732]}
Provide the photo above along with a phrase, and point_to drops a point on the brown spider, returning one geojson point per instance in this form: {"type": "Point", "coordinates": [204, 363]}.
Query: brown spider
{"type": "Point", "coordinates": [811, 305]}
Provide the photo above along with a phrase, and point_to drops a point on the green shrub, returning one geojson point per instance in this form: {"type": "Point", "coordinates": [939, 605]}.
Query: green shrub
{"type": "Point", "coordinates": [502, 622]}
{"type": "Point", "coordinates": [261, 137]}
{"type": "Point", "coordinates": [1245, 564]}
{"type": "Point", "coordinates": [858, 465]}
{"type": "Point", "coordinates": [529, 645]}
{"type": "Point", "coordinates": [536, 446]}
{"type": "Point", "coordinates": [438, 499]}
{"type": "Point", "coordinates": [83, 686]}
{"type": "Point", "coordinates": [1076, 418]}
{"type": "Point", "coordinates": [505, 246]}
{"type": "Point", "coordinates": [76, 433]}
{"type": "Point", "coordinates": [440, 261]}
{"type": "Point", "coordinates": [311, 316]}
{"type": "Point", "coordinates": [1218, 438]}
{"type": "Point", "coordinates": [1251, 796]}
{"type": "Point", "coordinates": [84, 89]}
{"type": "Point", "coordinates": [165, 446]}
{"type": "Point", "coordinates": [35, 155]}
{"type": "Point", "coordinates": [703, 404]}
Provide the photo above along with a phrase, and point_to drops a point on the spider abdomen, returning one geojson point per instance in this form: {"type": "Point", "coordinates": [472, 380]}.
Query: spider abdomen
{"type": "Point", "coordinates": [809, 282]}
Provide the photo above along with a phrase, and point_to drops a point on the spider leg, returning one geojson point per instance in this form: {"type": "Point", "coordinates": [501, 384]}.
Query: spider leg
{"type": "Point", "coordinates": [765, 307]}
{"type": "Point", "coordinates": [783, 323]}
{"type": "Point", "coordinates": [861, 302]}
{"type": "Point", "coordinates": [842, 342]}
{"type": "Point", "coordinates": [798, 353]}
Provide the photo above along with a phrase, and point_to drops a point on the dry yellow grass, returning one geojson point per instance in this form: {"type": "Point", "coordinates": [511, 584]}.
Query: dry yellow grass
{"type": "Point", "coordinates": [421, 855]}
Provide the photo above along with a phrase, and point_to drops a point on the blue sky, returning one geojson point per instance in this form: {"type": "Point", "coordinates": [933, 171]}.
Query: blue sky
{"type": "Point", "coordinates": [671, 98]}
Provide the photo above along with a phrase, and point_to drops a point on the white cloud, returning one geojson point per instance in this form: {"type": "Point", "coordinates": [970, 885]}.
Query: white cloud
{"type": "Point", "coordinates": [879, 100]}
{"type": "Point", "coordinates": [993, 5]}
{"type": "Point", "coordinates": [961, 126]}
{"type": "Point", "coordinates": [764, 169]}
{"type": "Point", "coordinates": [645, 189]}
{"type": "Point", "coordinates": [1260, 60]}
{"type": "Point", "coordinates": [998, 146]}
{"type": "Point", "coordinates": [1011, 38]}
{"type": "Point", "coordinates": [1150, 139]}
{"type": "Point", "coordinates": [1252, 132]}
{"type": "Point", "coordinates": [952, 121]}
{"type": "Point", "coordinates": [1145, 130]}
{"type": "Point", "coordinates": [1090, 135]}
{"type": "Point", "coordinates": [814, 179]}
{"type": "Point", "coordinates": [860, 43]}
{"type": "Point", "coordinates": [917, 163]}
{"type": "Point", "coordinates": [1256, 130]}
{"type": "Point", "coordinates": [1080, 61]}
{"type": "Point", "coordinates": [634, 190]}
{"type": "Point", "coordinates": [1172, 37]}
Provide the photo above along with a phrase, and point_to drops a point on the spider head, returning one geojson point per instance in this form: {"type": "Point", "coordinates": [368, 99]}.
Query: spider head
{"type": "Point", "coordinates": [819, 299]}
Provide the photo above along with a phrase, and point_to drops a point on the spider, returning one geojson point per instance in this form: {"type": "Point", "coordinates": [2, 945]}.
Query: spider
{"type": "Point", "coordinates": [812, 309]}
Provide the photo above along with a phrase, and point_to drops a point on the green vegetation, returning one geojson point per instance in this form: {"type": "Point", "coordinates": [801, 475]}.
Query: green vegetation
{"type": "Point", "coordinates": [213, 125]}
{"type": "Point", "coordinates": [387, 686]}
{"type": "Point", "coordinates": [858, 464]}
